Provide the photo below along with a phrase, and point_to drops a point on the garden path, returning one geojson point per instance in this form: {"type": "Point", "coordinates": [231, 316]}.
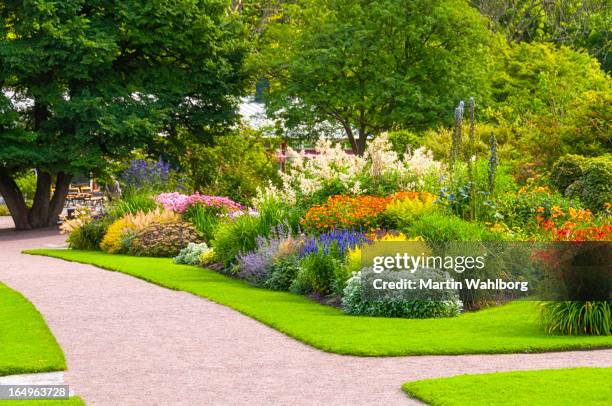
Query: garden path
{"type": "Point", "coordinates": [128, 342]}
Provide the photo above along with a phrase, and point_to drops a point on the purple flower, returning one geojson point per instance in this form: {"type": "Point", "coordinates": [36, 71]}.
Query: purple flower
{"type": "Point", "coordinates": [344, 238]}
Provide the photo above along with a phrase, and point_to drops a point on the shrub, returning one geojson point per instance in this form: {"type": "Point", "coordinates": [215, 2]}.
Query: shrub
{"type": "Point", "coordinates": [282, 273]}
{"type": "Point", "coordinates": [4, 211]}
{"type": "Point", "coordinates": [207, 258]}
{"type": "Point", "coordinates": [442, 227]}
{"type": "Point", "coordinates": [566, 171]}
{"type": "Point", "coordinates": [192, 254]}
{"type": "Point", "coordinates": [319, 271]}
{"type": "Point", "coordinates": [406, 206]}
{"type": "Point", "coordinates": [119, 235]}
{"type": "Point", "coordinates": [594, 187]}
{"type": "Point", "coordinates": [112, 241]}
{"type": "Point", "coordinates": [354, 302]}
{"type": "Point", "coordinates": [89, 235]}
{"type": "Point", "coordinates": [240, 234]}
{"type": "Point", "coordinates": [255, 265]}
{"type": "Point", "coordinates": [233, 165]}
{"type": "Point", "coordinates": [521, 209]}
{"type": "Point", "coordinates": [575, 317]}
{"type": "Point", "coordinates": [164, 239]}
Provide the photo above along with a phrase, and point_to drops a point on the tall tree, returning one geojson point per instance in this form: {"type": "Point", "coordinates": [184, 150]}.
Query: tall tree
{"type": "Point", "coordinates": [371, 65]}
{"type": "Point", "coordinates": [577, 23]}
{"type": "Point", "coordinates": [84, 82]}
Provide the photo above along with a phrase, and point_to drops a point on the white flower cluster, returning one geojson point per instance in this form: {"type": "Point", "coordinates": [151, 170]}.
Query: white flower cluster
{"type": "Point", "coordinates": [309, 174]}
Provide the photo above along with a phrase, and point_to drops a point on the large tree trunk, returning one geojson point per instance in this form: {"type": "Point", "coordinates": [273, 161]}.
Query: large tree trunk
{"type": "Point", "coordinates": [14, 201]}
{"type": "Point", "coordinates": [45, 209]}
{"type": "Point", "coordinates": [62, 185]}
{"type": "Point", "coordinates": [37, 217]}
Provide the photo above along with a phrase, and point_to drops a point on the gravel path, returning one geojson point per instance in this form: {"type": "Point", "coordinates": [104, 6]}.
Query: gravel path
{"type": "Point", "coordinates": [129, 342]}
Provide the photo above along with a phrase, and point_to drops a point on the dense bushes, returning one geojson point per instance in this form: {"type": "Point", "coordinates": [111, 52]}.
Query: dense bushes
{"type": "Point", "coordinates": [589, 179]}
{"type": "Point", "coordinates": [89, 236]}
{"type": "Point", "coordinates": [441, 227]}
{"type": "Point", "coordinates": [164, 239]}
{"type": "Point", "coordinates": [355, 301]}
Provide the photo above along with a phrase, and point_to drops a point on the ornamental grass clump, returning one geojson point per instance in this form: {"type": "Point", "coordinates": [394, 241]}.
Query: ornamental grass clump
{"type": "Point", "coordinates": [577, 317]}
{"type": "Point", "coordinates": [120, 233]}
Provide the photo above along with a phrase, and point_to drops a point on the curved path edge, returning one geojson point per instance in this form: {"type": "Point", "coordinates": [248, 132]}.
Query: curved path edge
{"type": "Point", "coordinates": [127, 341]}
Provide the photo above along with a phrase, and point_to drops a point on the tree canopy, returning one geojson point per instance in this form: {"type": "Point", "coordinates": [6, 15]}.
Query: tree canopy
{"type": "Point", "coordinates": [84, 82]}
{"type": "Point", "coordinates": [371, 66]}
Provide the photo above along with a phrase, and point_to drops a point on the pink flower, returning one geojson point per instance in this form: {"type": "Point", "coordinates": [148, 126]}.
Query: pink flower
{"type": "Point", "coordinates": [179, 203]}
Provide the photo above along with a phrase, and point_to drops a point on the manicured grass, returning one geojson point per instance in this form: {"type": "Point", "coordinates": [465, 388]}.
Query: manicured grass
{"type": "Point", "coordinates": [75, 401]}
{"type": "Point", "coordinates": [504, 329]}
{"type": "Point", "coordinates": [26, 344]}
{"type": "Point", "coordinates": [576, 386]}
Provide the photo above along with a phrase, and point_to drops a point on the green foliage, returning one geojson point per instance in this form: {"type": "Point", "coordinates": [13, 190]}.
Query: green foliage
{"type": "Point", "coordinates": [27, 184]}
{"type": "Point", "coordinates": [403, 140]}
{"type": "Point", "coordinates": [4, 211]}
{"type": "Point", "coordinates": [240, 234]}
{"type": "Point", "coordinates": [318, 272]}
{"type": "Point", "coordinates": [164, 239]}
{"type": "Point", "coordinates": [192, 254]}
{"type": "Point", "coordinates": [577, 23]}
{"type": "Point", "coordinates": [373, 66]}
{"type": "Point", "coordinates": [520, 209]}
{"type": "Point", "coordinates": [354, 302]}
{"type": "Point", "coordinates": [131, 202]}
{"type": "Point", "coordinates": [442, 227]}
{"type": "Point", "coordinates": [282, 273]}
{"type": "Point", "coordinates": [574, 317]}
{"type": "Point", "coordinates": [234, 165]}
{"type": "Point", "coordinates": [205, 219]}
{"type": "Point", "coordinates": [108, 77]}
{"type": "Point", "coordinates": [401, 213]}
{"type": "Point", "coordinates": [234, 237]}
{"type": "Point", "coordinates": [594, 187]}
{"type": "Point", "coordinates": [473, 199]}
{"type": "Point", "coordinates": [555, 100]}
{"type": "Point", "coordinates": [566, 170]}
{"type": "Point", "coordinates": [89, 235]}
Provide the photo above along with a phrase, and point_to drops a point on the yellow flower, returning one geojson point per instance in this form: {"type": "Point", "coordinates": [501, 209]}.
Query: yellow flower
{"type": "Point", "coordinates": [540, 209]}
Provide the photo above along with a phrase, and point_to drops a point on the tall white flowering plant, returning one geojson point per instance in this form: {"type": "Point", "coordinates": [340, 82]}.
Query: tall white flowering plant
{"type": "Point", "coordinates": [333, 169]}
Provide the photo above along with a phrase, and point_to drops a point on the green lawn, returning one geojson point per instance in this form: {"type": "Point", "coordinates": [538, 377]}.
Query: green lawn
{"type": "Point", "coordinates": [504, 329]}
{"type": "Point", "coordinates": [577, 386]}
{"type": "Point", "coordinates": [26, 344]}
